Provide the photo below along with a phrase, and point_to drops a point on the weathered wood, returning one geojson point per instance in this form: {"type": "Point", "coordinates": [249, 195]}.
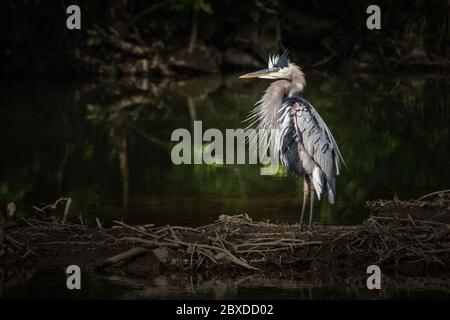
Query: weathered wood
{"type": "Point", "coordinates": [11, 211]}
{"type": "Point", "coordinates": [122, 256]}
{"type": "Point", "coordinates": [67, 210]}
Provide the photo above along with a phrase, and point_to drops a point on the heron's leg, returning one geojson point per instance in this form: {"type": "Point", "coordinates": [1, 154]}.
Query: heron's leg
{"type": "Point", "coordinates": [311, 208]}
{"type": "Point", "coordinates": [305, 198]}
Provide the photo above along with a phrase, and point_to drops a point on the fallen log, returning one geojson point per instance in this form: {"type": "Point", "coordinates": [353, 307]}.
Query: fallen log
{"type": "Point", "coordinates": [134, 252]}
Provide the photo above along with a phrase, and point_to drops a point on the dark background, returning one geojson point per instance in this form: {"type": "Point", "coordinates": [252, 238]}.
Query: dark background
{"type": "Point", "coordinates": [179, 37]}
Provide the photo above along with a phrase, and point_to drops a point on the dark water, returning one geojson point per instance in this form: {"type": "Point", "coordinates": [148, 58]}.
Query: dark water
{"type": "Point", "coordinates": [50, 284]}
{"type": "Point", "coordinates": [106, 144]}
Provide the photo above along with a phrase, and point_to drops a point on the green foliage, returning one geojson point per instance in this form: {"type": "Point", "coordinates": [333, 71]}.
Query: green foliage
{"type": "Point", "coordinates": [93, 37]}
{"type": "Point", "coordinates": [94, 113]}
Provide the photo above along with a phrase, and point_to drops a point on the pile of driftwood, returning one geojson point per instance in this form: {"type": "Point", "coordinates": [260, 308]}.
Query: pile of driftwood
{"type": "Point", "coordinates": [436, 200]}
{"type": "Point", "coordinates": [232, 241]}
{"type": "Point", "coordinates": [403, 235]}
{"type": "Point", "coordinates": [411, 231]}
{"type": "Point", "coordinates": [402, 240]}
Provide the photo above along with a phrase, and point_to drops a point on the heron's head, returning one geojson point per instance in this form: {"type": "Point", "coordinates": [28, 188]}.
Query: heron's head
{"type": "Point", "coordinates": [279, 67]}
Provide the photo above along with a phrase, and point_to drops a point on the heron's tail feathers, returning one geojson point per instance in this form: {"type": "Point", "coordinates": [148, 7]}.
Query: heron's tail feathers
{"type": "Point", "coordinates": [322, 185]}
{"type": "Point", "coordinates": [331, 196]}
{"type": "Point", "coordinates": [331, 184]}
{"type": "Point", "coordinates": [317, 181]}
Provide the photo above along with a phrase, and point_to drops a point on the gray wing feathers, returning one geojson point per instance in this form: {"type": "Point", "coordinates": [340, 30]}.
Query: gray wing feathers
{"type": "Point", "coordinates": [324, 128]}
{"type": "Point", "coordinates": [320, 147]}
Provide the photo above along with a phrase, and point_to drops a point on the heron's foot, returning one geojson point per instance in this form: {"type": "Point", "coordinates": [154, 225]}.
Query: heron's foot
{"type": "Point", "coordinates": [303, 227]}
{"type": "Point", "coordinates": [307, 228]}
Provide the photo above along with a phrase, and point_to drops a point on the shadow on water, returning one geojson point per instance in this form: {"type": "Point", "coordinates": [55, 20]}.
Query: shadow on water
{"type": "Point", "coordinates": [106, 144]}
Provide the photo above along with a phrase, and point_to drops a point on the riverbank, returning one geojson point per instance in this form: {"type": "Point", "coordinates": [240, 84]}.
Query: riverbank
{"type": "Point", "coordinates": [405, 238]}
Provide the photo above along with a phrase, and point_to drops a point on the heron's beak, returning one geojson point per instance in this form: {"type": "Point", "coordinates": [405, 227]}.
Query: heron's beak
{"type": "Point", "coordinates": [258, 74]}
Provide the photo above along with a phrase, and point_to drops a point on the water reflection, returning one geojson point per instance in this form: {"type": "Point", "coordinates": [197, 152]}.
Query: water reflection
{"type": "Point", "coordinates": [263, 287]}
{"type": "Point", "coordinates": [106, 143]}
{"type": "Point", "coordinates": [48, 285]}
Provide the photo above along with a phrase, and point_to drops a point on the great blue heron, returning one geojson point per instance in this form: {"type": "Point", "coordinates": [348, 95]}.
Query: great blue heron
{"type": "Point", "coordinates": [303, 141]}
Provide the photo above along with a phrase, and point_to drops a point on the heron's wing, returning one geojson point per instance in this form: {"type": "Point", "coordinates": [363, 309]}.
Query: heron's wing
{"type": "Point", "coordinates": [327, 132]}
{"type": "Point", "coordinates": [318, 139]}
